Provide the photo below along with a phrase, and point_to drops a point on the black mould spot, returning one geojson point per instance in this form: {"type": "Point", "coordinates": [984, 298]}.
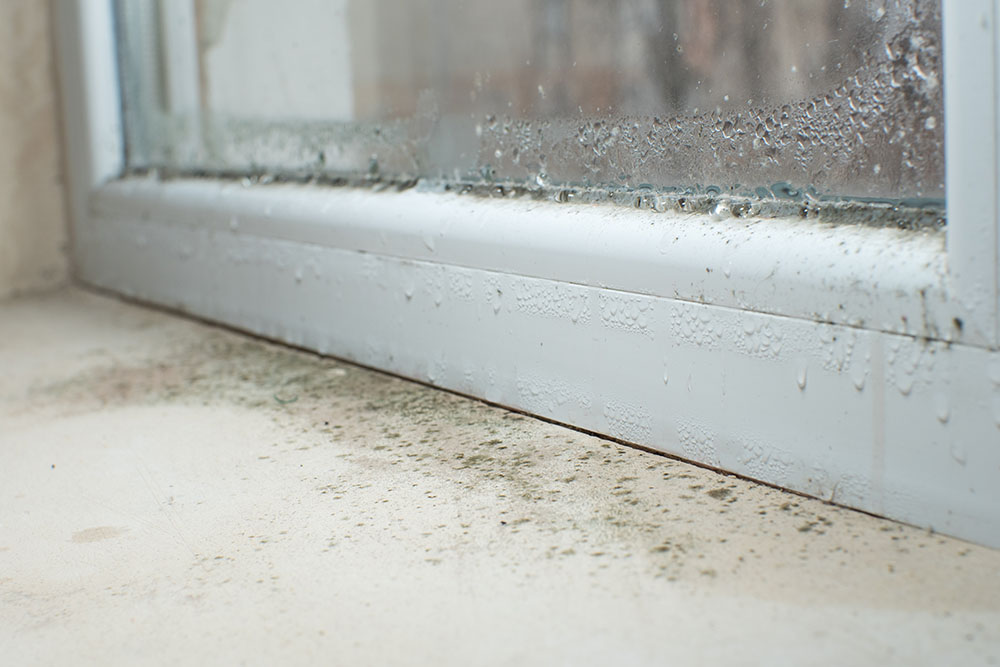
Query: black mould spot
{"type": "Point", "coordinates": [720, 493]}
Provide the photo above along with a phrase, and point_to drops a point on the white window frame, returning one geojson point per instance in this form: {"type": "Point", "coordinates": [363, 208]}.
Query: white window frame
{"type": "Point", "coordinates": [854, 364]}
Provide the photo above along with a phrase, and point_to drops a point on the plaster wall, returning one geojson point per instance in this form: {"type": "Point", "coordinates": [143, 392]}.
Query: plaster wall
{"type": "Point", "coordinates": [34, 235]}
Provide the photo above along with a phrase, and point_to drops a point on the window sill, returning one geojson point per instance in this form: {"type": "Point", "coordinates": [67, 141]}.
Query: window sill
{"type": "Point", "coordinates": [820, 359]}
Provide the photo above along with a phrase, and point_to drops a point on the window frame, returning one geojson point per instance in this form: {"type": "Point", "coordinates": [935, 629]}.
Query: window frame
{"type": "Point", "coordinates": [672, 299]}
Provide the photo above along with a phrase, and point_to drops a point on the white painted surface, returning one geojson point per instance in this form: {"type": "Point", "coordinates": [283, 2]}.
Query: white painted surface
{"type": "Point", "coordinates": [883, 279]}
{"type": "Point", "coordinates": [888, 423]}
{"type": "Point", "coordinates": [91, 109]}
{"type": "Point", "coordinates": [971, 130]}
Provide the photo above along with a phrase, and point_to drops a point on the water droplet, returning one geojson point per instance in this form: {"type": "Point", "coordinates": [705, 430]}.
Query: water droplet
{"type": "Point", "coordinates": [564, 196]}
{"type": "Point", "coordinates": [234, 223]}
{"type": "Point", "coordinates": [298, 275]}
{"type": "Point", "coordinates": [801, 378]}
{"type": "Point", "coordinates": [858, 377]}
{"type": "Point", "coordinates": [942, 408]}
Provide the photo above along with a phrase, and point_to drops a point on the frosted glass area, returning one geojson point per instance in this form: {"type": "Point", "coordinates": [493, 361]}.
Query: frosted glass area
{"type": "Point", "coordinates": [763, 98]}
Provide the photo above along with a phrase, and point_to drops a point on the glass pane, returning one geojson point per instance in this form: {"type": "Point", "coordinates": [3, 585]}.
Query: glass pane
{"type": "Point", "coordinates": [773, 99]}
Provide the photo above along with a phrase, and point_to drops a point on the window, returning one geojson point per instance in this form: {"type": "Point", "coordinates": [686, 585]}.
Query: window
{"type": "Point", "coordinates": [648, 101]}
{"type": "Point", "coordinates": [714, 229]}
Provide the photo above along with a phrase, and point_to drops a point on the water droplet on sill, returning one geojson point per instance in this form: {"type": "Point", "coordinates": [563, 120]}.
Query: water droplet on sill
{"type": "Point", "coordinates": [942, 409]}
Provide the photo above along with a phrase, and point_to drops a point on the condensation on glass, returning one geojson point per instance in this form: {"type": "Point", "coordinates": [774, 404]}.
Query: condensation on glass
{"type": "Point", "coordinates": [766, 98]}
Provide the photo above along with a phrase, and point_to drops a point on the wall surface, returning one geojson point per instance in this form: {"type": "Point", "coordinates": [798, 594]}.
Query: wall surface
{"type": "Point", "coordinates": [33, 230]}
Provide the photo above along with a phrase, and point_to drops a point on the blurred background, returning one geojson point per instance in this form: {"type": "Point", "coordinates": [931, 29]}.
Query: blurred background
{"type": "Point", "coordinates": [838, 98]}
